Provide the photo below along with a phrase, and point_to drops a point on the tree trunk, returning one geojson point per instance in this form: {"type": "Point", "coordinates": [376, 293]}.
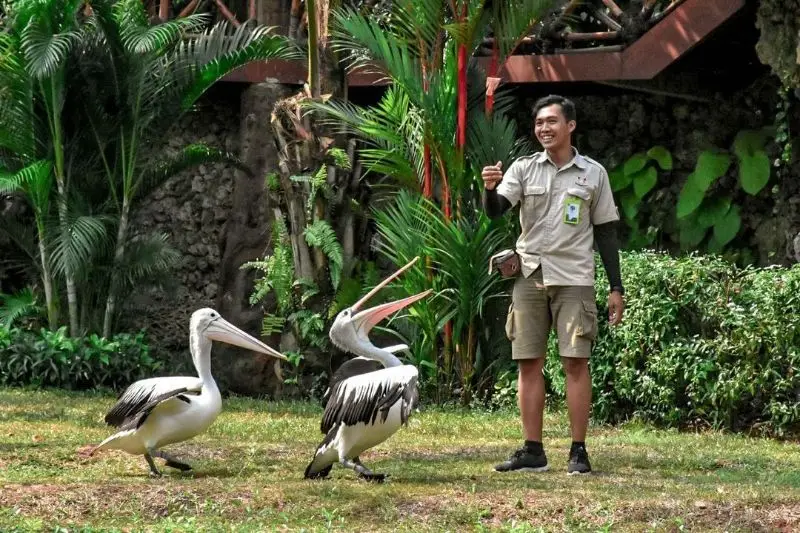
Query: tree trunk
{"type": "Point", "coordinates": [47, 281]}
{"type": "Point", "coordinates": [72, 292]}
{"type": "Point", "coordinates": [246, 237]}
{"type": "Point", "coordinates": [111, 302]}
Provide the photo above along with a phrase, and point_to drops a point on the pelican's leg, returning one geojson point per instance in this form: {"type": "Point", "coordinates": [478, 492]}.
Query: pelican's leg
{"type": "Point", "coordinates": [153, 470]}
{"type": "Point", "coordinates": [362, 470]}
{"type": "Point", "coordinates": [171, 461]}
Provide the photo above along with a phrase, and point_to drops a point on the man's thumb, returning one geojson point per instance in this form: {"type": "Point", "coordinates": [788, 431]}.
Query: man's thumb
{"type": "Point", "coordinates": [499, 165]}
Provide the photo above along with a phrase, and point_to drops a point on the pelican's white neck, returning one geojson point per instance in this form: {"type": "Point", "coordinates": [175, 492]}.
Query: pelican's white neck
{"type": "Point", "coordinates": [201, 355]}
{"type": "Point", "coordinates": [370, 351]}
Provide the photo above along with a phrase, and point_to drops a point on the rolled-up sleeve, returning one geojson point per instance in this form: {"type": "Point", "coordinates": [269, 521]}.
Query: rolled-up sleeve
{"type": "Point", "coordinates": [511, 186]}
{"type": "Point", "coordinates": [603, 208]}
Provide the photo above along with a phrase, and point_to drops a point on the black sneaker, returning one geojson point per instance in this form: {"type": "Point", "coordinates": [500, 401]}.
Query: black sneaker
{"type": "Point", "coordinates": [578, 462]}
{"type": "Point", "coordinates": [523, 460]}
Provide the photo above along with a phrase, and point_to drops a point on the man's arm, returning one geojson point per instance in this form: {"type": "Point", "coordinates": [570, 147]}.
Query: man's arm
{"type": "Point", "coordinates": [605, 235]}
{"type": "Point", "coordinates": [494, 204]}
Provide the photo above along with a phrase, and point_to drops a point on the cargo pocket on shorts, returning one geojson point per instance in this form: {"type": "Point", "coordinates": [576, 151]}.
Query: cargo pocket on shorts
{"type": "Point", "coordinates": [510, 325]}
{"type": "Point", "coordinates": [588, 321]}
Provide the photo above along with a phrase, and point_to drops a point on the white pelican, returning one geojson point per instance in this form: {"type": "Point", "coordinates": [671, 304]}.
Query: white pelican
{"type": "Point", "coordinates": [367, 403]}
{"type": "Point", "coordinates": [154, 412]}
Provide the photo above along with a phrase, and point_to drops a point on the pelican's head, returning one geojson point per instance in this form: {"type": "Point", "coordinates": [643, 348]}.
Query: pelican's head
{"type": "Point", "coordinates": [352, 325]}
{"type": "Point", "coordinates": [209, 324]}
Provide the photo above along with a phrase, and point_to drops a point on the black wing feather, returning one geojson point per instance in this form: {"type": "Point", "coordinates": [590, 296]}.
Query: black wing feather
{"type": "Point", "coordinates": [377, 400]}
{"type": "Point", "coordinates": [130, 413]}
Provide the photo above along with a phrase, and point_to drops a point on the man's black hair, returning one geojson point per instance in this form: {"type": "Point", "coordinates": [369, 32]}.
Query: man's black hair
{"type": "Point", "coordinates": [567, 105]}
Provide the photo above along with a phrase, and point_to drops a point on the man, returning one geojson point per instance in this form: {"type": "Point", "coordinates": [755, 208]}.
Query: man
{"type": "Point", "coordinates": [565, 206]}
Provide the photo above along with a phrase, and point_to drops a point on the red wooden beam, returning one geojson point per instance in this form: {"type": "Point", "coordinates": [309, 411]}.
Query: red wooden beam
{"type": "Point", "coordinates": [689, 23]}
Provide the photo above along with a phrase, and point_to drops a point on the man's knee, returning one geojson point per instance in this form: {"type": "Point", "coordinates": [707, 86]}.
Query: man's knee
{"type": "Point", "coordinates": [530, 368]}
{"type": "Point", "coordinates": [575, 366]}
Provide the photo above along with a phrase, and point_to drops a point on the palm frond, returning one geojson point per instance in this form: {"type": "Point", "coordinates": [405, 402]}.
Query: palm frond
{"type": "Point", "coordinates": [15, 306]}
{"type": "Point", "coordinates": [45, 52]}
{"type": "Point", "coordinates": [513, 19]}
{"type": "Point", "coordinates": [493, 139]}
{"type": "Point", "coordinates": [219, 52]}
{"type": "Point", "coordinates": [138, 36]}
{"type": "Point", "coordinates": [17, 120]}
{"type": "Point", "coordinates": [364, 44]}
{"type": "Point", "coordinates": [148, 260]}
{"type": "Point", "coordinates": [419, 24]}
{"type": "Point", "coordinates": [35, 180]}
{"type": "Point", "coordinates": [77, 242]}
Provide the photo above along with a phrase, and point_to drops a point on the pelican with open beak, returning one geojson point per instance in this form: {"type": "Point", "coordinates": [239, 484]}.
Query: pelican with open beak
{"type": "Point", "coordinates": [155, 412]}
{"type": "Point", "coordinates": [370, 396]}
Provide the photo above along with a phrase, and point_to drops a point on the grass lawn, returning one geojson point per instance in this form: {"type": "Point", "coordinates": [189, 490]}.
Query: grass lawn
{"type": "Point", "coordinates": [249, 467]}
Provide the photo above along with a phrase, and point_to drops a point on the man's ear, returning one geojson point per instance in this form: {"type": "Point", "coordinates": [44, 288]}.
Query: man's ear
{"type": "Point", "coordinates": [571, 126]}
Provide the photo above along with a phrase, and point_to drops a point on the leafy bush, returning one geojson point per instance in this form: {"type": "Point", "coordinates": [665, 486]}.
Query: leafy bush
{"type": "Point", "coordinates": [702, 343]}
{"type": "Point", "coordinates": [53, 359]}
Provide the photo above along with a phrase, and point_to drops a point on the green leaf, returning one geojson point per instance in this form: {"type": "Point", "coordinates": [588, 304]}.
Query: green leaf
{"type": "Point", "coordinates": [644, 181]}
{"type": "Point", "coordinates": [618, 179]}
{"type": "Point", "coordinates": [713, 210]}
{"type": "Point", "coordinates": [710, 166]}
{"type": "Point", "coordinates": [662, 156]}
{"type": "Point", "coordinates": [727, 228]}
{"type": "Point", "coordinates": [691, 235]}
{"type": "Point", "coordinates": [690, 198]}
{"type": "Point", "coordinates": [714, 246]}
{"type": "Point", "coordinates": [320, 234]}
{"type": "Point", "coordinates": [749, 142]}
{"type": "Point", "coordinates": [630, 204]}
{"type": "Point", "coordinates": [754, 172]}
{"type": "Point", "coordinates": [635, 164]}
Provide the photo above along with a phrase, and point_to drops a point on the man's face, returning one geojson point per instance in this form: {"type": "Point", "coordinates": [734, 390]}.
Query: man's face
{"type": "Point", "coordinates": [552, 129]}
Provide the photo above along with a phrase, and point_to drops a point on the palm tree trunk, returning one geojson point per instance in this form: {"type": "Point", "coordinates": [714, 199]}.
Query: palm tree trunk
{"type": "Point", "coordinates": [58, 149]}
{"type": "Point", "coordinates": [111, 302]}
{"type": "Point", "coordinates": [313, 48]}
{"type": "Point", "coordinates": [47, 280]}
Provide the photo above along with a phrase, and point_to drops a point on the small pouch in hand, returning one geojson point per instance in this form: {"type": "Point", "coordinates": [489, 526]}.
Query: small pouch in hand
{"type": "Point", "coordinates": [506, 262]}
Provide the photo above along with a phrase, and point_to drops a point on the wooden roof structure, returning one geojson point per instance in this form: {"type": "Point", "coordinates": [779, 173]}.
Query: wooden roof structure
{"type": "Point", "coordinates": [610, 55]}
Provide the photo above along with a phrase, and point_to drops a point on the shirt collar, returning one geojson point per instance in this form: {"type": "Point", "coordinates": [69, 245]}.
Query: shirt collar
{"type": "Point", "coordinates": [578, 160]}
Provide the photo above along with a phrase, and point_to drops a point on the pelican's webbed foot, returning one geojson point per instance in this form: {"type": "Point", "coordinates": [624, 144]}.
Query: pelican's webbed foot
{"type": "Point", "coordinates": [172, 462]}
{"type": "Point", "coordinates": [362, 471]}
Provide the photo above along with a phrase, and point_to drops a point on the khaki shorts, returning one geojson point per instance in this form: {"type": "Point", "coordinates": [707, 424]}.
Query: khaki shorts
{"type": "Point", "coordinates": [536, 309]}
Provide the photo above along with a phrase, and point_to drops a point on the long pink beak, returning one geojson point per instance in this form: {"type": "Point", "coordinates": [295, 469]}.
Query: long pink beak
{"type": "Point", "coordinates": [369, 318]}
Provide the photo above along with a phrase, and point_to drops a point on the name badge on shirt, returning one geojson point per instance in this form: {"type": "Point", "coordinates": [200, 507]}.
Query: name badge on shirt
{"type": "Point", "coordinates": [572, 211]}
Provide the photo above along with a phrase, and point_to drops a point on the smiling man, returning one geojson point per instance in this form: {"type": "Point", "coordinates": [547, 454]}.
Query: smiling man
{"type": "Point", "coordinates": [566, 206]}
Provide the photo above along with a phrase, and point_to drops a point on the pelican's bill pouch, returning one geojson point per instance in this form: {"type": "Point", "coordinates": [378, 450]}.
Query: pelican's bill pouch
{"type": "Point", "coordinates": [506, 262]}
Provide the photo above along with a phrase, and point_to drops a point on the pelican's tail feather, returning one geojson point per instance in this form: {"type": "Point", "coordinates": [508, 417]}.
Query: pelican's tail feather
{"type": "Point", "coordinates": [324, 457]}
{"type": "Point", "coordinates": [112, 440]}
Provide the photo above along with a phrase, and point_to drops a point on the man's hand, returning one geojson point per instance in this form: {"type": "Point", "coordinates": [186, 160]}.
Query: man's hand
{"type": "Point", "coordinates": [492, 175]}
{"type": "Point", "coordinates": [616, 306]}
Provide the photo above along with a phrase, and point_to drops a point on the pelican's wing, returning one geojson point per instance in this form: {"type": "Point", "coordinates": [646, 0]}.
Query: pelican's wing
{"type": "Point", "coordinates": [140, 398]}
{"type": "Point", "coordinates": [365, 397]}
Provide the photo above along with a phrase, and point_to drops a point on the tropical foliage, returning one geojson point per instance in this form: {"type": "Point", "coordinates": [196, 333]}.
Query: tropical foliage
{"type": "Point", "coordinates": [47, 358]}
{"type": "Point", "coordinates": [104, 86]}
{"type": "Point", "coordinates": [703, 342]}
{"type": "Point", "coordinates": [430, 134]}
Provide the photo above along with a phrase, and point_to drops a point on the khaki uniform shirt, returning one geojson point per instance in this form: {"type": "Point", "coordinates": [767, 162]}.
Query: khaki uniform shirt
{"type": "Point", "coordinates": [558, 209]}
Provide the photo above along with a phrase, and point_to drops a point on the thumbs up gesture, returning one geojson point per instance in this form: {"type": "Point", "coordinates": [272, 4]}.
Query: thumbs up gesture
{"type": "Point", "coordinates": [492, 175]}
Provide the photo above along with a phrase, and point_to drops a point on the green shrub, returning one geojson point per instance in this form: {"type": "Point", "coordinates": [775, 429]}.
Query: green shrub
{"type": "Point", "coordinates": [53, 359]}
{"type": "Point", "coordinates": [702, 343]}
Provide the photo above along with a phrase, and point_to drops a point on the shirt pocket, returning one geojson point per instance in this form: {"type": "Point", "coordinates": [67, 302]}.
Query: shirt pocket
{"type": "Point", "coordinates": [580, 192]}
{"type": "Point", "coordinates": [533, 200]}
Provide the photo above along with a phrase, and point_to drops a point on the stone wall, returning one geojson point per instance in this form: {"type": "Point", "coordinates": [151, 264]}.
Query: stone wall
{"type": "Point", "coordinates": [192, 209]}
